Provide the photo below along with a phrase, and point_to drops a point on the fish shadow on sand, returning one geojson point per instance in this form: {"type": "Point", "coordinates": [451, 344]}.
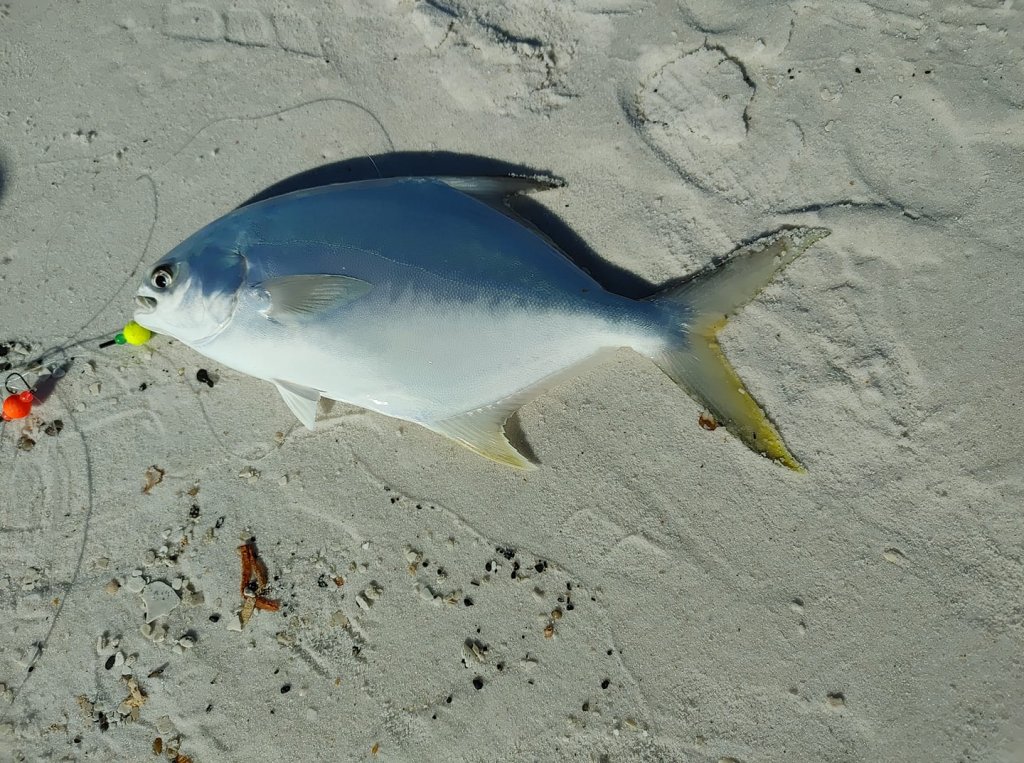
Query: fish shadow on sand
{"type": "Point", "coordinates": [430, 164]}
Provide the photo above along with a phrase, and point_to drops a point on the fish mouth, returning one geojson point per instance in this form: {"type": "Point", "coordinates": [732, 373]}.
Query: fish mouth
{"type": "Point", "coordinates": [146, 304]}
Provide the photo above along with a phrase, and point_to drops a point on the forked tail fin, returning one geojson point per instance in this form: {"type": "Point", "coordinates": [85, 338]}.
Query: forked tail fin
{"type": "Point", "coordinates": [707, 300]}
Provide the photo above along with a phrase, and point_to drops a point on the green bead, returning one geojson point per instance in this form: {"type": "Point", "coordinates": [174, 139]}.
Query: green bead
{"type": "Point", "coordinates": [120, 339]}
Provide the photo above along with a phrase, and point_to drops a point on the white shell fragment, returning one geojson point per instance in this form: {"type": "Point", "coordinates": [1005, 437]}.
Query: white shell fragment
{"type": "Point", "coordinates": [160, 600]}
{"type": "Point", "coordinates": [135, 582]}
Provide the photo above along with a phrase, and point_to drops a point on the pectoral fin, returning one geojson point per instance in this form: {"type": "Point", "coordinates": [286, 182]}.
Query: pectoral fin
{"type": "Point", "coordinates": [483, 432]}
{"type": "Point", "coordinates": [301, 400]}
{"type": "Point", "coordinates": [292, 297]}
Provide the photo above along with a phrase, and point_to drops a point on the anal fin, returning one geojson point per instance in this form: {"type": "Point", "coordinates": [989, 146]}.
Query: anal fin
{"type": "Point", "coordinates": [483, 432]}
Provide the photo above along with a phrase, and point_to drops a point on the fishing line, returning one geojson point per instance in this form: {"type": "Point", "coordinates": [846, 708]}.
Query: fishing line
{"type": "Point", "coordinates": [43, 644]}
{"type": "Point", "coordinates": [49, 367]}
{"type": "Point", "coordinates": [131, 334]}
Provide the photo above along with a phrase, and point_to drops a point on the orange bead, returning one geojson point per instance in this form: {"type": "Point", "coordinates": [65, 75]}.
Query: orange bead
{"type": "Point", "coordinates": [18, 406]}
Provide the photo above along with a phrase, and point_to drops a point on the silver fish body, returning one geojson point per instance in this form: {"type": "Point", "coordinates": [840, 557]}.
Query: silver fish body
{"type": "Point", "coordinates": [427, 300]}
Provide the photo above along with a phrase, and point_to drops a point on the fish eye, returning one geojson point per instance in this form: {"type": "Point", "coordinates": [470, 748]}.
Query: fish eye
{"type": "Point", "coordinates": [161, 277]}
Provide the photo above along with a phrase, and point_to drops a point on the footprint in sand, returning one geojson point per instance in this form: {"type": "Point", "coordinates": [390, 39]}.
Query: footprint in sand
{"type": "Point", "coordinates": [695, 112]}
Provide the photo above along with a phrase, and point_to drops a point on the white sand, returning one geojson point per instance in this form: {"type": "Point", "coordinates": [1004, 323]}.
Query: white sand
{"type": "Point", "coordinates": [869, 610]}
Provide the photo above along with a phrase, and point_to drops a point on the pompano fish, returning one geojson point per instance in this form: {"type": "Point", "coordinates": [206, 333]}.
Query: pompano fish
{"type": "Point", "coordinates": [429, 300]}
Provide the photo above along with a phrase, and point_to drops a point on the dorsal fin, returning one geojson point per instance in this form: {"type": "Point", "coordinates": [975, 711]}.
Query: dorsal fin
{"type": "Point", "coordinates": [495, 191]}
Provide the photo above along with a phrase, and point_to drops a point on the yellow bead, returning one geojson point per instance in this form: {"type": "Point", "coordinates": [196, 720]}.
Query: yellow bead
{"type": "Point", "coordinates": [136, 334]}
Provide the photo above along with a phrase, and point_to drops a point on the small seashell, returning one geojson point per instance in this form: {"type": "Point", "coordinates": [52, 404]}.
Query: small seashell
{"type": "Point", "coordinates": [160, 600]}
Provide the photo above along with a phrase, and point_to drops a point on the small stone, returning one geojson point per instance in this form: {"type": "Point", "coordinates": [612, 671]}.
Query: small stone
{"type": "Point", "coordinates": [836, 700]}
{"type": "Point", "coordinates": [164, 725]}
{"type": "Point", "coordinates": [339, 619]}
{"type": "Point", "coordinates": [895, 556]}
{"type": "Point", "coordinates": [95, 388]}
{"type": "Point", "coordinates": [474, 650]}
{"type": "Point", "coordinates": [28, 656]}
{"type": "Point", "coordinates": [154, 476]}
{"type": "Point", "coordinates": [285, 639]}
{"type": "Point", "coordinates": [31, 577]}
{"type": "Point", "coordinates": [26, 443]}
{"type": "Point", "coordinates": [106, 644]}
{"type": "Point", "coordinates": [135, 584]}
{"type": "Point", "coordinates": [425, 593]}
{"type": "Point", "coordinates": [155, 633]}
